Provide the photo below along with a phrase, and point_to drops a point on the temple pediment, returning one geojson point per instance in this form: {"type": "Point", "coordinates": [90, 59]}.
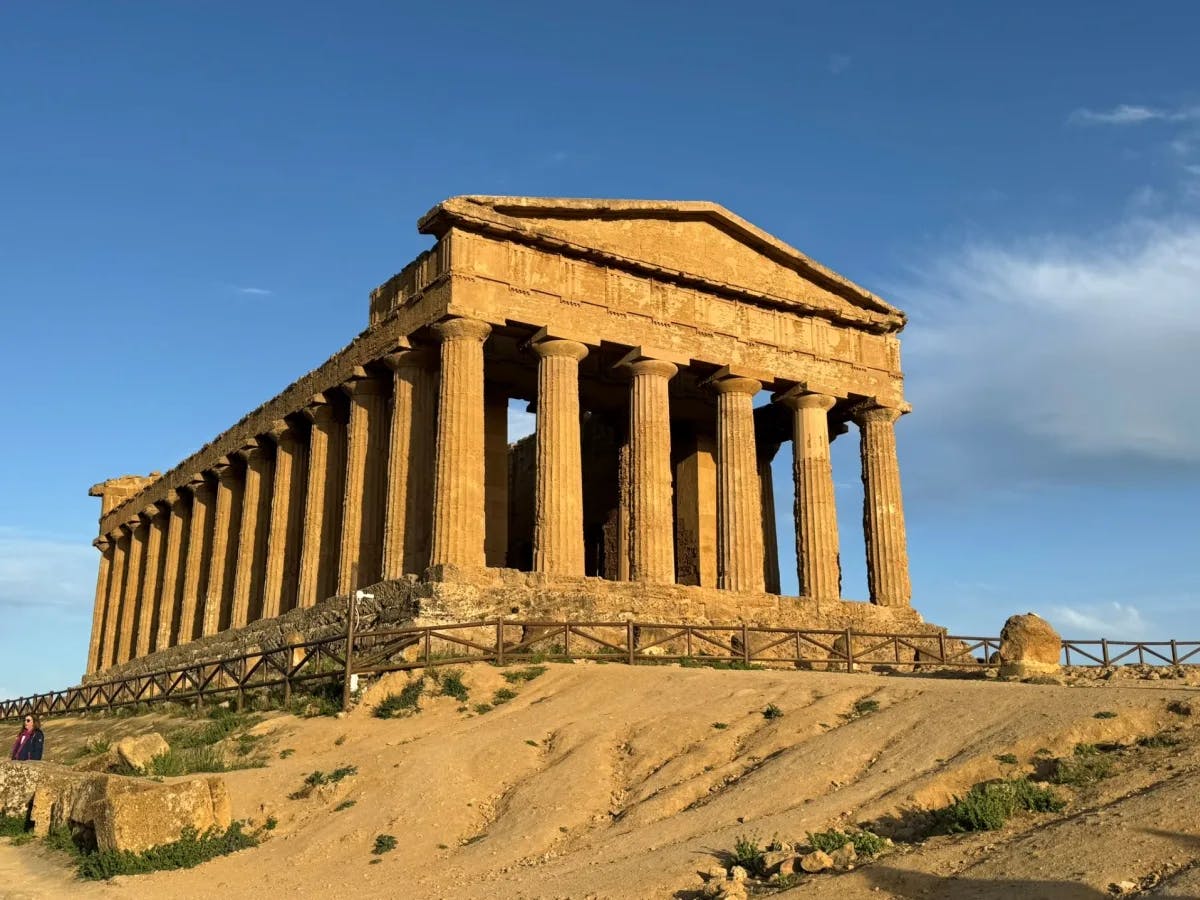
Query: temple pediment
{"type": "Point", "coordinates": [697, 240]}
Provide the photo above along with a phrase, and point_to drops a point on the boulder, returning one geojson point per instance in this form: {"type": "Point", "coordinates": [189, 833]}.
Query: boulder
{"type": "Point", "coordinates": [122, 813]}
{"type": "Point", "coordinates": [817, 861]}
{"type": "Point", "coordinates": [773, 858]}
{"type": "Point", "coordinates": [844, 857]}
{"type": "Point", "coordinates": [136, 752]}
{"type": "Point", "coordinates": [737, 873]}
{"type": "Point", "coordinates": [1029, 647]}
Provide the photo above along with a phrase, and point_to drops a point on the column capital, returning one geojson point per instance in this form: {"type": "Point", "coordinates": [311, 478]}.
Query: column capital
{"type": "Point", "coordinates": [364, 384]}
{"type": "Point", "coordinates": [200, 486]}
{"type": "Point", "coordinates": [870, 411]}
{"type": "Point", "coordinates": [410, 358]}
{"type": "Point", "coordinates": [252, 453]}
{"type": "Point", "coordinates": [659, 367]}
{"type": "Point", "coordinates": [462, 330]}
{"type": "Point", "coordinates": [797, 398]}
{"type": "Point", "coordinates": [559, 347]}
{"type": "Point", "coordinates": [735, 384]}
{"type": "Point", "coordinates": [319, 410]}
{"type": "Point", "coordinates": [102, 543]}
{"type": "Point", "coordinates": [177, 501]}
{"type": "Point", "coordinates": [152, 511]}
{"type": "Point", "coordinates": [224, 470]}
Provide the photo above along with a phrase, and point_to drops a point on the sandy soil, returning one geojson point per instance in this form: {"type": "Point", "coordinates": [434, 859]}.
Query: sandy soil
{"type": "Point", "coordinates": [608, 781]}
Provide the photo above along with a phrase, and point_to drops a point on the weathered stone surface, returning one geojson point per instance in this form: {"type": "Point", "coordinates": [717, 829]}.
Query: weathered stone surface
{"type": "Point", "coordinates": [123, 813]}
{"type": "Point", "coordinates": [137, 752]}
{"type": "Point", "coordinates": [1029, 646]}
{"type": "Point", "coordinates": [844, 857]}
{"type": "Point", "coordinates": [817, 861]}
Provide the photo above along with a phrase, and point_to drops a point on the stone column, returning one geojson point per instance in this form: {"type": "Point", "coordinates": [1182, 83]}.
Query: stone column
{"type": "Point", "coordinates": [116, 596]}
{"type": "Point", "coordinates": [365, 498]}
{"type": "Point", "coordinates": [495, 466]}
{"type": "Point", "coordinates": [133, 588]}
{"type": "Point", "coordinates": [223, 560]}
{"type": "Point", "coordinates": [652, 531]}
{"type": "Point", "coordinates": [149, 608]}
{"type": "Point", "coordinates": [558, 485]}
{"type": "Point", "coordinates": [883, 508]}
{"type": "Point", "coordinates": [739, 502]}
{"type": "Point", "coordinates": [766, 482]}
{"type": "Point", "coordinates": [322, 504]}
{"type": "Point", "coordinates": [175, 558]}
{"type": "Point", "coordinates": [817, 566]}
{"type": "Point", "coordinates": [409, 519]}
{"type": "Point", "coordinates": [624, 519]}
{"type": "Point", "coordinates": [100, 610]}
{"type": "Point", "coordinates": [287, 521]}
{"type": "Point", "coordinates": [459, 512]}
{"type": "Point", "coordinates": [199, 551]}
{"type": "Point", "coordinates": [252, 536]}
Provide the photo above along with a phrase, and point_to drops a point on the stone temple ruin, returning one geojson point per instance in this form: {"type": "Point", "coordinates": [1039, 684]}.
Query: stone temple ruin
{"type": "Point", "coordinates": [640, 333]}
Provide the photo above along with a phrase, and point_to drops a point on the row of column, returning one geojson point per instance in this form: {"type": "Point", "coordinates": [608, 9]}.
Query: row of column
{"type": "Point", "coordinates": [294, 520]}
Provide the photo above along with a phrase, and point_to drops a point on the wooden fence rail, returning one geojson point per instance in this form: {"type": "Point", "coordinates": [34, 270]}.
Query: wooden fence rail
{"type": "Point", "coordinates": [379, 650]}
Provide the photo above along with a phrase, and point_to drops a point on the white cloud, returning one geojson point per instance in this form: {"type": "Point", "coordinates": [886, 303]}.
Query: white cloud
{"type": "Point", "coordinates": [1116, 621]}
{"type": "Point", "coordinates": [1126, 114]}
{"type": "Point", "coordinates": [1058, 356]}
{"type": "Point", "coordinates": [839, 63]}
{"type": "Point", "coordinates": [46, 573]}
{"type": "Point", "coordinates": [254, 291]}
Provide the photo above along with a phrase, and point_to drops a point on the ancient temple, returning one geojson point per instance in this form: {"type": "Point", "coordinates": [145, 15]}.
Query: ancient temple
{"type": "Point", "coordinates": [640, 333]}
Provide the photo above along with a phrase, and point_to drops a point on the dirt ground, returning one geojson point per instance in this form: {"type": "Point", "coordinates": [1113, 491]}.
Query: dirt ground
{"type": "Point", "coordinates": [610, 781]}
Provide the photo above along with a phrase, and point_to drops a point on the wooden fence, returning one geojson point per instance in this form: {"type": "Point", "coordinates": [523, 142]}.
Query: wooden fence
{"type": "Point", "coordinates": [367, 652]}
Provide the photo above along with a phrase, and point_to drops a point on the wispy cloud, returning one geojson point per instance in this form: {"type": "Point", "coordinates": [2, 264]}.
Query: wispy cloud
{"type": "Point", "coordinates": [839, 62]}
{"type": "Point", "coordinates": [1120, 621]}
{"type": "Point", "coordinates": [46, 573]}
{"type": "Point", "coordinates": [253, 291]}
{"type": "Point", "coordinates": [1127, 114]}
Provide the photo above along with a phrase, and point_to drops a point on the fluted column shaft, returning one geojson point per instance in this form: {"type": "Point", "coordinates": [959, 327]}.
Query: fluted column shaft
{"type": "Point", "coordinates": [223, 561]}
{"type": "Point", "coordinates": [739, 500]}
{"type": "Point", "coordinates": [817, 562]}
{"type": "Point", "coordinates": [412, 439]}
{"type": "Point", "coordinates": [459, 514]}
{"type": "Point", "coordinates": [174, 560]}
{"type": "Point", "coordinates": [199, 550]}
{"type": "Point", "coordinates": [322, 508]}
{"type": "Point", "coordinates": [558, 485]}
{"type": "Point", "coordinates": [133, 587]}
{"type": "Point", "coordinates": [286, 532]}
{"type": "Point", "coordinates": [652, 532]}
{"type": "Point", "coordinates": [365, 498]}
{"type": "Point", "coordinates": [100, 610]}
{"type": "Point", "coordinates": [766, 481]}
{"type": "Point", "coordinates": [149, 608]}
{"type": "Point", "coordinates": [116, 596]}
{"type": "Point", "coordinates": [495, 477]}
{"type": "Point", "coordinates": [252, 536]}
{"type": "Point", "coordinates": [883, 508]}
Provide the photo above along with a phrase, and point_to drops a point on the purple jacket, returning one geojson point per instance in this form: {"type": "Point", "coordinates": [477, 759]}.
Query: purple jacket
{"type": "Point", "coordinates": [32, 748]}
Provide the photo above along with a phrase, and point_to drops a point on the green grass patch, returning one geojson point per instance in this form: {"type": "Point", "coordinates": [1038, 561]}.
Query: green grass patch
{"type": "Point", "coordinates": [1009, 759]}
{"type": "Point", "coordinates": [12, 826]}
{"type": "Point", "coordinates": [1104, 714]}
{"type": "Point", "coordinates": [404, 703]}
{"type": "Point", "coordinates": [345, 804]}
{"type": "Point", "coordinates": [503, 696]}
{"type": "Point", "coordinates": [384, 843]}
{"type": "Point", "coordinates": [772, 712]}
{"type": "Point", "coordinates": [863, 707]}
{"type": "Point", "coordinates": [222, 723]}
{"type": "Point", "coordinates": [748, 853]}
{"type": "Point", "coordinates": [481, 708]}
{"type": "Point", "coordinates": [720, 726]}
{"type": "Point", "coordinates": [286, 752]}
{"type": "Point", "coordinates": [532, 743]}
{"type": "Point", "coordinates": [866, 843]}
{"type": "Point", "coordinates": [987, 806]}
{"type": "Point", "coordinates": [1162, 739]}
{"type": "Point", "coordinates": [451, 685]}
{"type": "Point", "coordinates": [1087, 766]}
{"type": "Point", "coordinates": [318, 778]}
{"type": "Point", "coordinates": [527, 674]}
{"type": "Point", "coordinates": [190, 850]}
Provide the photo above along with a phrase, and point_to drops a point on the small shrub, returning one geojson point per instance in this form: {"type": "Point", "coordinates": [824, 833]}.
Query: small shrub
{"type": "Point", "coordinates": [1087, 766]}
{"type": "Point", "coordinates": [862, 707]}
{"type": "Point", "coordinates": [341, 739]}
{"type": "Point", "coordinates": [1007, 758]}
{"type": "Point", "coordinates": [96, 747]}
{"type": "Point", "coordinates": [190, 850]}
{"type": "Point", "coordinates": [345, 804]}
{"type": "Point", "coordinates": [532, 743]}
{"type": "Point", "coordinates": [1043, 751]}
{"type": "Point", "coordinates": [318, 778]}
{"type": "Point", "coordinates": [1162, 739]}
{"type": "Point", "coordinates": [12, 826]}
{"type": "Point", "coordinates": [866, 843]}
{"type": "Point", "coordinates": [720, 726]}
{"type": "Point", "coordinates": [1180, 707]}
{"type": "Point", "coordinates": [503, 696]}
{"type": "Point", "coordinates": [270, 824]}
{"type": "Point", "coordinates": [527, 674]}
{"type": "Point", "coordinates": [286, 752]}
{"type": "Point", "coordinates": [748, 854]}
{"type": "Point", "coordinates": [987, 806]}
{"type": "Point", "coordinates": [384, 843]}
{"type": "Point", "coordinates": [481, 708]}
{"type": "Point", "coordinates": [1104, 714]}
{"type": "Point", "coordinates": [772, 712]}
{"type": "Point", "coordinates": [452, 685]}
{"type": "Point", "coordinates": [404, 703]}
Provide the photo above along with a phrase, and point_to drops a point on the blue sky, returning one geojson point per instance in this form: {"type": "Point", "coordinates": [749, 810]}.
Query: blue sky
{"type": "Point", "coordinates": [197, 197]}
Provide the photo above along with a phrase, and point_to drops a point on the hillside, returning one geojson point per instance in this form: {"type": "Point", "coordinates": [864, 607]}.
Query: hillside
{"type": "Point", "coordinates": [609, 781]}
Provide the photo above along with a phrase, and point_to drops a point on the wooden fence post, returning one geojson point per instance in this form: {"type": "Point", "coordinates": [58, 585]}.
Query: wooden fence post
{"type": "Point", "coordinates": [746, 644]}
{"type": "Point", "coordinates": [499, 642]}
{"type": "Point", "coordinates": [629, 638]}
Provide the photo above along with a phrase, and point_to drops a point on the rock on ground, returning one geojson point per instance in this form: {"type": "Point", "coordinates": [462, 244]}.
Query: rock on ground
{"type": "Point", "coordinates": [1029, 646]}
{"type": "Point", "coordinates": [137, 752]}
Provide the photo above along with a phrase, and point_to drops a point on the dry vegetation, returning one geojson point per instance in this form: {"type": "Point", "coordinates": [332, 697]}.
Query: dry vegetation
{"type": "Point", "coordinates": [593, 780]}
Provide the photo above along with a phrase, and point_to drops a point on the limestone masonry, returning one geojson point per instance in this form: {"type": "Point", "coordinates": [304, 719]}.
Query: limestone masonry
{"type": "Point", "coordinates": [640, 333]}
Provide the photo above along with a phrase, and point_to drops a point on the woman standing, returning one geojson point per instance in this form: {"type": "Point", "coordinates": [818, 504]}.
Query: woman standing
{"type": "Point", "coordinates": [29, 741]}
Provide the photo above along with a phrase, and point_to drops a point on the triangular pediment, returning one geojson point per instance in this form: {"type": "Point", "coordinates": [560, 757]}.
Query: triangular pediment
{"type": "Point", "coordinates": [700, 240]}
